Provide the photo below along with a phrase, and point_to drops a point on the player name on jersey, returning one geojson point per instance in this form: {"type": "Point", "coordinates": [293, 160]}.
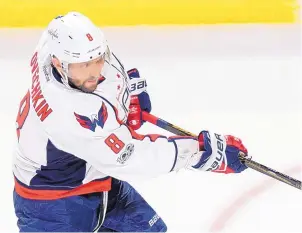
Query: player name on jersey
{"type": "Point", "coordinates": [42, 109]}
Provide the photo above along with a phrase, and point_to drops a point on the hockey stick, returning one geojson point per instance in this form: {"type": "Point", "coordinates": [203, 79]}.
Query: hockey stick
{"type": "Point", "coordinates": [249, 163]}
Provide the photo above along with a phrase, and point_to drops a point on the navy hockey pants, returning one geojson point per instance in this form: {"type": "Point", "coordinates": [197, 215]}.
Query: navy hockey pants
{"type": "Point", "coordinates": [127, 211]}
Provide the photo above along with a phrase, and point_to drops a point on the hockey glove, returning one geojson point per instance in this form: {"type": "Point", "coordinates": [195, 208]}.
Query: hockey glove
{"type": "Point", "coordinates": [220, 153]}
{"type": "Point", "coordinates": [139, 99]}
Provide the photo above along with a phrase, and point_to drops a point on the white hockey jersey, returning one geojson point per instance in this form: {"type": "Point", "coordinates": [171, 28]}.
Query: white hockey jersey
{"type": "Point", "coordinates": [72, 143]}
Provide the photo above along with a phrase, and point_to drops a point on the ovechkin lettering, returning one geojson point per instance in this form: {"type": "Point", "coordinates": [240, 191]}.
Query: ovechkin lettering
{"type": "Point", "coordinates": [39, 103]}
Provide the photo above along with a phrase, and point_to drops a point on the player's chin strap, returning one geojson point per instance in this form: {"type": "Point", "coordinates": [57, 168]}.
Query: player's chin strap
{"type": "Point", "coordinates": [248, 162]}
{"type": "Point", "coordinates": [102, 212]}
{"type": "Point", "coordinates": [65, 78]}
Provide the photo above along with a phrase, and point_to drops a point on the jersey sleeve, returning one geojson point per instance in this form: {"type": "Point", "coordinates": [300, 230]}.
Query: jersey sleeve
{"type": "Point", "coordinates": [98, 137]}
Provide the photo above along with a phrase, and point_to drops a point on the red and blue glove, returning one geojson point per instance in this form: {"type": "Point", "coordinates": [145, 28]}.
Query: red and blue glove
{"type": "Point", "coordinates": [221, 153]}
{"type": "Point", "coordinates": [139, 100]}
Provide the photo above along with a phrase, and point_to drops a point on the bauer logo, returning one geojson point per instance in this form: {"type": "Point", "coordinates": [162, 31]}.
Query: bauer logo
{"type": "Point", "coordinates": [153, 220]}
{"type": "Point", "coordinates": [138, 86]}
{"type": "Point", "coordinates": [220, 155]}
{"type": "Point", "coordinates": [126, 154]}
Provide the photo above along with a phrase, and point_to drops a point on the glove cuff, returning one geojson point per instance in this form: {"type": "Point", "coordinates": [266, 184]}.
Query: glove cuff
{"type": "Point", "coordinates": [210, 161]}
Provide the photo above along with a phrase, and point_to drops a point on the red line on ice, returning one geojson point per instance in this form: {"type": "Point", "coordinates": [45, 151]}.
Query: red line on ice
{"type": "Point", "coordinates": [246, 197]}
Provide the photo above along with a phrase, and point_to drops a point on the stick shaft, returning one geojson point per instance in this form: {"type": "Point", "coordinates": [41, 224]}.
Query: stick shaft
{"type": "Point", "coordinates": [249, 163]}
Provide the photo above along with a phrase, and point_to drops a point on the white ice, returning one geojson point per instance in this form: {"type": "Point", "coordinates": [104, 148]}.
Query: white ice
{"type": "Point", "coordinates": [241, 80]}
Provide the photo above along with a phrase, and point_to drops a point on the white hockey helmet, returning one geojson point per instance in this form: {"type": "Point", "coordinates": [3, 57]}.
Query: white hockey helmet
{"type": "Point", "coordinates": [73, 38]}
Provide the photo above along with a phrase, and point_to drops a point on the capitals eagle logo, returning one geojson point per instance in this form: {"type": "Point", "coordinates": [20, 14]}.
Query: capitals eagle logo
{"type": "Point", "coordinates": [96, 119]}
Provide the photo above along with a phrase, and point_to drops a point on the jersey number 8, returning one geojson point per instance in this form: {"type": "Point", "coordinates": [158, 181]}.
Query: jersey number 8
{"type": "Point", "coordinates": [114, 143]}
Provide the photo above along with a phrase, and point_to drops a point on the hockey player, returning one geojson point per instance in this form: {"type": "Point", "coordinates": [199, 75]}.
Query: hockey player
{"type": "Point", "coordinates": [77, 149]}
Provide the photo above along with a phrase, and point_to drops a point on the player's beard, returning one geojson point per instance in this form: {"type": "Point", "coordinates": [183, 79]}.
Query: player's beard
{"type": "Point", "coordinates": [85, 86]}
